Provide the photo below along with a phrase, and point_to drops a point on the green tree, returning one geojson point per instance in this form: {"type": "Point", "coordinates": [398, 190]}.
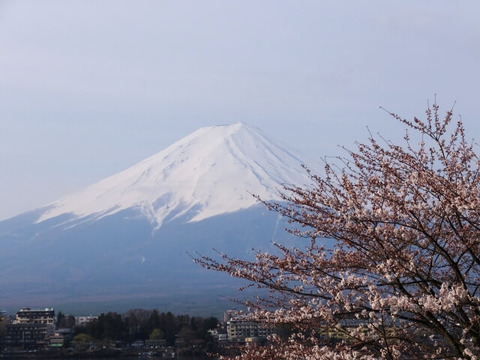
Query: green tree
{"type": "Point", "coordinates": [82, 341]}
{"type": "Point", "coordinates": [156, 334]}
{"type": "Point", "coordinates": [169, 326]}
{"type": "Point", "coordinates": [108, 326]}
{"type": "Point", "coordinates": [136, 323]}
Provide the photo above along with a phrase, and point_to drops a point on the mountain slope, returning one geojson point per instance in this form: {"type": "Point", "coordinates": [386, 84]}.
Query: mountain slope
{"type": "Point", "coordinates": [213, 171]}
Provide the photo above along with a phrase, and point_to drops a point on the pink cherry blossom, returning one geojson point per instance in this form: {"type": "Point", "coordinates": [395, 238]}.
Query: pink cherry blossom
{"type": "Point", "coordinates": [402, 280]}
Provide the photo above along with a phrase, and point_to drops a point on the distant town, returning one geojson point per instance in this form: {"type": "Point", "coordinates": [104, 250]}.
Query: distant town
{"type": "Point", "coordinates": [42, 333]}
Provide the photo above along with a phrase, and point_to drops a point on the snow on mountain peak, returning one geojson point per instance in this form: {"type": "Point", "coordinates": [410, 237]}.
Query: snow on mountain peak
{"type": "Point", "coordinates": [214, 170]}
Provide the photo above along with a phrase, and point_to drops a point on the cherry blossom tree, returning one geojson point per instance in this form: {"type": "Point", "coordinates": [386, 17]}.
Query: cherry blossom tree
{"type": "Point", "coordinates": [402, 278]}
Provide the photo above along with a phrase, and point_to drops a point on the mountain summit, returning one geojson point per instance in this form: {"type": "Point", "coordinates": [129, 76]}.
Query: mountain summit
{"type": "Point", "coordinates": [213, 171]}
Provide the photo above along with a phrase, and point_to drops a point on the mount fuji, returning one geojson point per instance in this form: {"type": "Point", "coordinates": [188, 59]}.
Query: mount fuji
{"type": "Point", "coordinates": [124, 241]}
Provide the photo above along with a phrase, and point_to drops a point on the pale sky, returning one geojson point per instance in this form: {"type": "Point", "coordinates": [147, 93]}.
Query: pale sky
{"type": "Point", "coordinates": [91, 87]}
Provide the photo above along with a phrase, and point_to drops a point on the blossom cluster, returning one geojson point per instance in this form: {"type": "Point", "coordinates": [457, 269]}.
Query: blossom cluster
{"type": "Point", "coordinates": [402, 279]}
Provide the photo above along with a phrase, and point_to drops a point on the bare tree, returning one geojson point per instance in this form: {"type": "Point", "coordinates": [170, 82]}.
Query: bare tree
{"type": "Point", "coordinates": [401, 280]}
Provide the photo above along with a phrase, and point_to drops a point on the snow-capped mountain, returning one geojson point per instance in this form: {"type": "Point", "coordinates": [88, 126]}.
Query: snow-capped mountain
{"type": "Point", "coordinates": [213, 171]}
{"type": "Point", "coordinates": [127, 237]}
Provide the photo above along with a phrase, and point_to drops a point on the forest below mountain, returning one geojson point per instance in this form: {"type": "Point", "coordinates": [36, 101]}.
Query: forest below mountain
{"type": "Point", "coordinates": [140, 324]}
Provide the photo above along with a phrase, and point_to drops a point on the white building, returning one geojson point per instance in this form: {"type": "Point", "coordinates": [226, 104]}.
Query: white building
{"type": "Point", "coordinates": [240, 330]}
{"type": "Point", "coordinates": [29, 316]}
{"type": "Point", "coordinates": [84, 320]}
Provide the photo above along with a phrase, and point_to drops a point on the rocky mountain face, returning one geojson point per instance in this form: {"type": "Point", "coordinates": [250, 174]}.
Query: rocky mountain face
{"type": "Point", "coordinates": [128, 240]}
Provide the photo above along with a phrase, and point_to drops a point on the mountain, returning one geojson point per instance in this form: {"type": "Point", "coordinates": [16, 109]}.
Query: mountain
{"type": "Point", "coordinates": [128, 237]}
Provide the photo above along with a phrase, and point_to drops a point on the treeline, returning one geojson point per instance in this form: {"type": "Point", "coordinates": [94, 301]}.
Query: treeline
{"type": "Point", "coordinates": [140, 324]}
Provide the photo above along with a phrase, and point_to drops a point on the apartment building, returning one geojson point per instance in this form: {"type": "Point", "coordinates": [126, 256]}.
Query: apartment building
{"type": "Point", "coordinates": [29, 316]}
{"type": "Point", "coordinates": [241, 330]}
{"type": "Point", "coordinates": [30, 329]}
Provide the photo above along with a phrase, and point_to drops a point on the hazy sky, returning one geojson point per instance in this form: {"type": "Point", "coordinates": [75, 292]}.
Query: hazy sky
{"type": "Point", "coordinates": [90, 87]}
